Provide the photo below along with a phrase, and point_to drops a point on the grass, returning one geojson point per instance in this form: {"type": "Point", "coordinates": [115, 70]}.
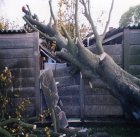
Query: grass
{"type": "Point", "coordinates": [118, 131]}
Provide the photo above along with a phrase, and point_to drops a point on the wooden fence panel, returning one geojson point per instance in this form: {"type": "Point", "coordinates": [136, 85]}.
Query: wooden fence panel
{"type": "Point", "coordinates": [23, 73]}
{"type": "Point", "coordinates": [20, 53]}
{"type": "Point", "coordinates": [102, 110]}
{"type": "Point", "coordinates": [20, 63]}
{"type": "Point", "coordinates": [135, 49]}
{"type": "Point", "coordinates": [98, 102]}
{"type": "Point", "coordinates": [14, 53]}
{"type": "Point", "coordinates": [115, 51]}
{"type": "Point", "coordinates": [134, 36]}
{"type": "Point", "coordinates": [134, 69]}
{"type": "Point", "coordinates": [134, 59]}
{"type": "Point", "coordinates": [126, 46]}
{"type": "Point", "coordinates": [131, 50]}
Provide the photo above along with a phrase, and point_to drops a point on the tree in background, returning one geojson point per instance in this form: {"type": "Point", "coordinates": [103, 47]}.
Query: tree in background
{"type": "Point", "coordinates": [10, 120]}
{"type": "Point", "coordinates": [130, 17]}
{"type": "Point", "coordinates": [66, 18]}
{"type": "Point", "coordinates": [4, 25]}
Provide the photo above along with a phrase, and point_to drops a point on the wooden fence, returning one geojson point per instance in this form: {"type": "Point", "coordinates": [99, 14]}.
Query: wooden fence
{"type": "Point", "coordinates": [20, 53]}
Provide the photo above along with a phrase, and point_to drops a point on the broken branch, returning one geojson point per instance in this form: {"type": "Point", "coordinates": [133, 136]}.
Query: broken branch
{"type": "Point", "coordinates": [97, 37]}
{"type": "Point", "coordinates": [77, 32]}
{"type": "Point", "coordinates": [34, 28]}
{"type": "Point", "coordinates": [107, 23]}
{"type": "Point", "coordinates": [52, 14]}
{"type": "Point", "coordinates": [66, 55]}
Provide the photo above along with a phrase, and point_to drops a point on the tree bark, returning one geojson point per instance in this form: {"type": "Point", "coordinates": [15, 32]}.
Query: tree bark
{"type": "Point", "coordinates": [125, 86]}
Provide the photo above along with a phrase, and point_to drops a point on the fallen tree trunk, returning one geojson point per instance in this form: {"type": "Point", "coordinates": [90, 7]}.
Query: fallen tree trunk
{"type": "Point", "coordinates": [125, 87]}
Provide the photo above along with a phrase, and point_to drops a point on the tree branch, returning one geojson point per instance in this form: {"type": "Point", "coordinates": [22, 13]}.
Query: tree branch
{"type": "Point", "coordinates": [30, 14]}
{"type": "Point", "coordinates": [52, 14]}
{"type": "Point", "coordinates": [86, 73]}
{"type": "Point", "coordinates": [5, 132]}
{"type": "Point", "coordinates": [9, 121]}
{"type": "Point", "coordinates": [65, 33]}
{"type": "Point", "coordinates": [97, 82]}
{"type": "Point", "coordinates": [27, 125]}
{"type": "Point", "coordinates": [89, 7]}
{"type": "Point", "coordinates": [16, 120]}
{"type": "Point", "coordinates": [41, 26]}
{"type": "Point", "coordinates": [107, 23]}
{"type": "Point", "coordinates": [66, 55]}
{"type": "Point", "coordinates": [70, 45]}
{"type": "Point", "coordinates": [50, 22]}
{"type": "Point", "coordinates": [54, 119]}
{"type": "Point", "coordinates": [87, 57]}
{"type": "Point", "coordinates": [97, 37]}
{"type": "Point", "coordinates": [34, 28]}
{"type": "Point", "coordinates": [77, 32]}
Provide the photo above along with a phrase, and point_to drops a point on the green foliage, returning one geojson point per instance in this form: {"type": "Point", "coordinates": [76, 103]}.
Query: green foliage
{"type": "Point", "coordinates": [6, 24]}
{"type": "Point", "coordinates": [21, 107]}
{"type": "Point", "coordinates": [66, 17]}
{"type": "Point", "coordinates": [131, 17]}
{"type": "Point", "coordinates": [11, 125]}
{"type": "Point", "coordinates": [6, 79]}
{"type": "Point", "coordinates": [6, 94]}
{"type": "Point", "coordinates": [6, 90]}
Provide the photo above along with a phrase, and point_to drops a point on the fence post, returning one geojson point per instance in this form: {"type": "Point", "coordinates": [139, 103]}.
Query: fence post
{"type": "Point", "coordinates": [81, 98]}
{"type": "Point", "coordinates": [126, 51]}
{"type": "Point", "coordinates": [37, 70]}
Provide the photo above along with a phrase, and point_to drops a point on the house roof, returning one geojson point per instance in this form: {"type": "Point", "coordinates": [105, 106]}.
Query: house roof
{"type": "Point", "coordinates": [113, 36]}
{"type": "Point", "coordinates": [12, 31]}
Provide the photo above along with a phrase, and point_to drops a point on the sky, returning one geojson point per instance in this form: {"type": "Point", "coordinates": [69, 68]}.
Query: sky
{"type": "Point", "coordinates": [11, 9]}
